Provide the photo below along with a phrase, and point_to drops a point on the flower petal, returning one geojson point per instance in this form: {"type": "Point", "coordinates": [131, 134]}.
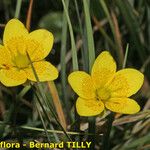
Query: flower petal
{"type": "Point", "coordinates": [122, 105]}
{"type": "Point", "coordinates": [5, 57]}
{"type": "Point", "coordinates": [126, 82]}
{"type": "Point", "coordinates": [103, 69]}
{"type": "Point", "coordinates": [82, 84]}
{"type": "Point", "coordinates": [44, 42]}
{"type": "Point", "coordinates": [17, 46]}
{"type": "Point", "coordinates": [90, 107]}
{"type": "Point", "coordinates": [14, 29]}
{"type": "Point", "coordinates": [12, 77]}
{"type": "Point", "coordinates": [45, 71]}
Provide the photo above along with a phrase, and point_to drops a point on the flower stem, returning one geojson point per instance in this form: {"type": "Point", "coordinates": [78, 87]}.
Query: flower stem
{"type": "Point", "coordinates": [92, 130]}
{"type": "Point", "coordinates": [106, 137]}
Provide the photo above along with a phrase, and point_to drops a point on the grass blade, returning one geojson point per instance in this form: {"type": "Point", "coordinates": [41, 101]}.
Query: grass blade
{"type": "Point", "coordinates": [42, 120]}
{"type": "Point", "coordinates": [91, 51]}
{"type": "Point", "coordinates": [18, 8]}
{"type": "Point", "coordinates": [73, 46]}
{"type": "Point", "coordinates": [63, 63]}
{"type": "Point", "coordinates": [132, 23]}
{"type": "Point", "coordinates": [90, 40]}
{"type": "Point", "coordinates": [57, 104]}
{"type": "Point", "coordinates": [45, 98]}
{"type": "Point", "coordinates": [115, 31]}
{"type": "Point", "coordinates": [84, 51]}
{"type": "Point", "coordinates": [125, 57]}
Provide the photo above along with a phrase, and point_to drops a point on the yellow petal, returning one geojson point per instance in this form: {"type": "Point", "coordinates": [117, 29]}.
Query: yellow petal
{"type": "Point", "coordinates": [12, 77]}
{"type": "Point", "coordinates": [44, 70]}
{"type": "Point", "coordinates": [103, 69]}
{"type": "Point", "coordinates": [90, 107]}
{"type": "Point", "coordinates": [5, 57]}
{"type": "Point", "coordinates": [82, 84]}
{"type": "Point", "coordinates": [122, 105]}
{"type": "Point", "coordinates": [14, 29]}
{"type": "Point", "coordinates": [43, 40]}
{"type": "Point", "coordinates": [16, 46]}
{"type": "Point", "coordinates": [126, 83]}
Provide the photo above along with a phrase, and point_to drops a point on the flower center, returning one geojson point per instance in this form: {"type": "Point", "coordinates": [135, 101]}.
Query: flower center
{"type": "Point", "coordinates": [21, 60]}
{"type": "Point", "coordinates": [103, 94]}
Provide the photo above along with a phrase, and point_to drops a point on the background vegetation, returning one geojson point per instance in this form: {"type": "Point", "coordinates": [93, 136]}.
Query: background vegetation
{"type": "Point", "coordinates": [94, 26]}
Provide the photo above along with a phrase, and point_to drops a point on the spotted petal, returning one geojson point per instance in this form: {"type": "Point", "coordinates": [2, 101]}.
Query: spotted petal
{"type": "Point", "coordinates": [5, 57]}
{"type": "Point", "coordinates": [122, 105]}
{"type": "Point", "coordinates": [103, 69]}
{"type": "Point", "coordinates": [12, 77]}
{"type": "Point", "coordinates": [43, 40]}
{"type": "Point", "coordinates": [90, 107]}
{"type": "Point", "coordinates": [82, 84]}
{"type": "Point", "coordinates": [126, 83]}
{"type": "Point", "coordinates": [44, 70]}
{"type": "Point", "coordinates": [14, 29]}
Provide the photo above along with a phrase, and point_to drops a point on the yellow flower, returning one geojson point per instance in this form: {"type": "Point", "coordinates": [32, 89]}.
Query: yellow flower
{"type": "Point", "coordinates": [15, 67]}
{"type": "Point", "coordinates": [106, 88]}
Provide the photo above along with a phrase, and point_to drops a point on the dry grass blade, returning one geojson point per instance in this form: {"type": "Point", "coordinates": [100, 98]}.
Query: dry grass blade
{"type": "Point", "coordinates": [132, 118]}
{"type": "Point", "coordinates": [29, 14]}
{"type": "Point", "coordinates": [57, 104]}
{"type": "Point", "coordinates": [141, 125]}
{"type": "Point", "coordinates": [145, 64]}
{"type": "Point", "coordinates": [2, 25]}
{"type": "Point", "coordinates": [117, 36]}
{"type": "Point", "coordinates": [104, 34]}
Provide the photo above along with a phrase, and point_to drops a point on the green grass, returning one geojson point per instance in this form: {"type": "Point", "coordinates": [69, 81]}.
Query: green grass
{"type": "Point", "coordinates": [83, 29]}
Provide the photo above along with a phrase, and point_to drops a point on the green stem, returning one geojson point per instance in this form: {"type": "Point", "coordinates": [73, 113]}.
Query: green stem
{"type": "Point", "coordinates": [92, 130]}
{"type": "Point", "coordinates": [106, 137]}
{"type": "Point", "coordinates": [77, 124]}
{"type": "Point", "coordinates": [24, 91]}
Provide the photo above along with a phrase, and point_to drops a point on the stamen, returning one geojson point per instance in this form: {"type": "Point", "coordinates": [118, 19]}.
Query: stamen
{"type": "Point", "coordinates": [103, 94]}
